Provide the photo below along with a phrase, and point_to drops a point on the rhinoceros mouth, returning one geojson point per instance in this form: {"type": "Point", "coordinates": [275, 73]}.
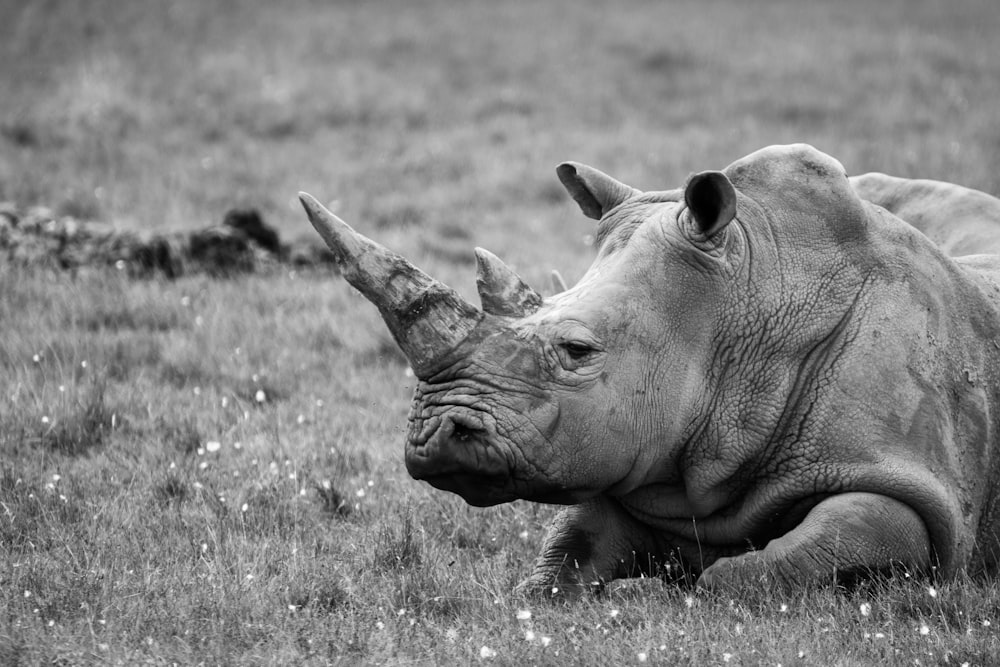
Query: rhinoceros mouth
{"type": "Point", "coordinates": [476, 490]}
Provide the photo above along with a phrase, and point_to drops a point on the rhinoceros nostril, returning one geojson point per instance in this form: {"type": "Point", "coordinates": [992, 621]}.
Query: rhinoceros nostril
{"type": "Point", "coordinates": [463, 433]}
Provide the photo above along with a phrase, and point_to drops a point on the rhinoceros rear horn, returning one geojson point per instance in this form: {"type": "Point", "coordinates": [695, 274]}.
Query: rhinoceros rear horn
{"type": "Point", "coordinates": [501, 290]}
{"type": "Point", "coordinates": [711, 201]}
{"type": "Point", "coordinates": [594, 191]}
{"type": "Point", "coordinates": [427, 318]}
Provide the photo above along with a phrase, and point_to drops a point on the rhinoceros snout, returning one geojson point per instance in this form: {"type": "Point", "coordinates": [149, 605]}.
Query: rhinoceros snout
{"type": "Point", "coordinates": [459, 452]}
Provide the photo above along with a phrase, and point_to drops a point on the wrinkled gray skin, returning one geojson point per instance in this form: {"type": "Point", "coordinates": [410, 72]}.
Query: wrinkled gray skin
{"type": "Point", "coordinates": [763, 375]}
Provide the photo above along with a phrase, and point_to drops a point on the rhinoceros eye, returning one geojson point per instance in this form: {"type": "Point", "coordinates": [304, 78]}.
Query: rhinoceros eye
{"type": "Point", "coordinates": [576, 350]}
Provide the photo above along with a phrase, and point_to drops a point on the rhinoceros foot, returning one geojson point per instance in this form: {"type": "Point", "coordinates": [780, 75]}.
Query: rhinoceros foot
{"type": "Point", "coordinates": [591, 544]}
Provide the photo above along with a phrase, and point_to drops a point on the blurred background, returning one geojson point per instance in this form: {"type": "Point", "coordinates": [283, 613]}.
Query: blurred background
{"type": "Point", "coordinates": [196, 470]}
{"type": "Point", "coordinates": [435, 126]}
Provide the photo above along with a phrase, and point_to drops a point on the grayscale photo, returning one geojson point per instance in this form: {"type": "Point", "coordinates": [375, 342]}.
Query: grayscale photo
{"type": "Point", "coordinates": [375, 332]}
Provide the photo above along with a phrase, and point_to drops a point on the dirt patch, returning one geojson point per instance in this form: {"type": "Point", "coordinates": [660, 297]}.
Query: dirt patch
{"type": "Point", "coordinates": [243, 243]}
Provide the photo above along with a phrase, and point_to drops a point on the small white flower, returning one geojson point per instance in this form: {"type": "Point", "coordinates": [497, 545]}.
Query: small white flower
{"type": "Point", "coordinates": [555, 589]}
{"type": "Point", "coordinates": [27, 594]}
{"type": "Point", "coordinates": [726, 657]}
{"type": "Point", "coordinates": [36, 358]}
{"type": "Point", "coordinates": [783, 608]}
{"type": "Point", "coordinates": [529, 635]}
{"type": "Point", "coordinates": [244, 507]}
{"type": "Point", "coordinates": [213, 446]}
{"type": "Point", "coordinates": [451, 634]}
{"type": "Point", "coordinates": [523, 614]}
{"type": "Point", "coordinates": [879, 635]}
{"type": "Point", "coordinates": [614, 613]}
{"type": "Point", "coordinates": [865, 608]}
{"type": "Point", "coordinates": [932, 591]}
{"type": "Point", "coordinates": [546, 641]}
{"type": "Point", "coordinates": [56, 477]}
{"type": "Point", "coordinates": [486, 653]}
{"type": "Point", "coordinates": [924, 630]}
{"type": "Point", "coordinates": [260, 396]}
{"type": "Point", "coordinates": [360, 493]}
{"type": "Point", "coordinates": [523, 535]}
{"type": "Point", "coordinates": [641, 656]}
{"type": "Point", "coordinates": [689, 601]}
{"type": "Point", "coordinates": [45, 419]}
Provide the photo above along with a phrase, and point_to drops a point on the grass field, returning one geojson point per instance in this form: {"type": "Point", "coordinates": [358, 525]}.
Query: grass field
{"type": "Point", "coordinates": [211, 472]}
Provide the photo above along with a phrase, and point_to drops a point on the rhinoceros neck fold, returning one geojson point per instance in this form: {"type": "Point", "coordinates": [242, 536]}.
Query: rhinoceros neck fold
{"type": "Point", "coordinates": [427, 318]}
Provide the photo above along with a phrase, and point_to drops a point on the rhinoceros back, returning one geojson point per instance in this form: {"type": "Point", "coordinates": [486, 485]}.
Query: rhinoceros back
{"type": "Point", "coordinates": [961, 221]}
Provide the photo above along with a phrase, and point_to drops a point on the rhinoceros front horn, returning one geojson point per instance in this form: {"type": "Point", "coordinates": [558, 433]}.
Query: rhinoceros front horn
{"type": "Point", "coordinates": [427, 318]}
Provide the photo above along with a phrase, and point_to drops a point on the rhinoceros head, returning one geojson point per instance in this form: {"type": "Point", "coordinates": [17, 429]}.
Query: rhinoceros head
{"type": "Point", "coordinates": [597, 389]}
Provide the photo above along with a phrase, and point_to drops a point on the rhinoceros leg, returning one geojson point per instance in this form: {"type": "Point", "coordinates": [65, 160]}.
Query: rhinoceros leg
{"type": "Point", "coordinates": [588, 545]}
{"type": "Point", "coordinates": [845, 534]}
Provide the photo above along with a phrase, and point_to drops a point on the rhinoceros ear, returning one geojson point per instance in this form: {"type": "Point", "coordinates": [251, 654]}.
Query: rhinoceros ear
{"type": "Point", "coordinates": [594, 191]}
{"type": "Point", "coordinates": [711, 200]}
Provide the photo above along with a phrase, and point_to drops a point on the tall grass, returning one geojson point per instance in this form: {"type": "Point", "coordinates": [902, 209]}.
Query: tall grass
{"type": "Point", "coordinates": [210, 471]}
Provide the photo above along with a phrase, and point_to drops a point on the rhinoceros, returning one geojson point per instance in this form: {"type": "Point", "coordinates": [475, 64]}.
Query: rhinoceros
{"type": "Point", "coordinates": [764, 376]}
